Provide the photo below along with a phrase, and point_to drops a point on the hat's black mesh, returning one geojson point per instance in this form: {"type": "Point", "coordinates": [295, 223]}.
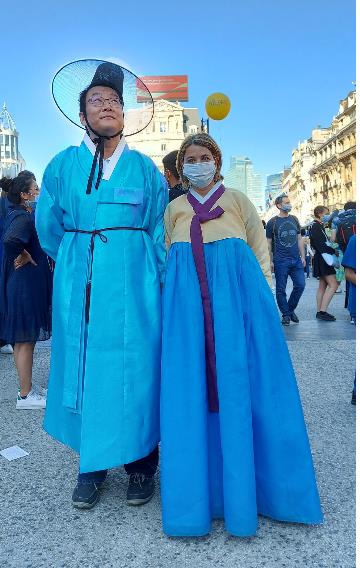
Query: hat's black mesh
{"type": "Point", "coordinates": [74, 77]}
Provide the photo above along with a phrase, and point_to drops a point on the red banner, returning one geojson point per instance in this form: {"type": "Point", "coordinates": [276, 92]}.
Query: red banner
{"type": "Point", "coordinates": [169, 87]}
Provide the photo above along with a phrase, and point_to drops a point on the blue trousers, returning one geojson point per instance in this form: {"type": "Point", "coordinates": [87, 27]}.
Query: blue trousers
{"type": "Point", "coordinates": [285, 267]}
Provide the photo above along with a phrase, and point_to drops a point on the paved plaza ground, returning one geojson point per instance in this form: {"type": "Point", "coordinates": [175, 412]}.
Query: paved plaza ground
{"type": "Point", "coordinates": [40, 529]}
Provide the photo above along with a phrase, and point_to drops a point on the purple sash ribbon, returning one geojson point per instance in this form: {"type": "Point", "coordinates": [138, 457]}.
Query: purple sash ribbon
{"type": "Point", "coordinates": [203, 214]}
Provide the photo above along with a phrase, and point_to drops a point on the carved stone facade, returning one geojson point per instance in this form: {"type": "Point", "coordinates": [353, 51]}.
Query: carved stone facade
{"type": "Point", "coordinates": [334, 170]}
{"type": "Point", "coordinates": [323, 167]}
{"type": "Point", "coordinates": [170, 125]}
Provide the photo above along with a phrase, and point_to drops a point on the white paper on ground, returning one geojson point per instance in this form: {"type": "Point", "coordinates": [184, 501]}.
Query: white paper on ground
{"type": "Point", "coordinates": [13, 453]}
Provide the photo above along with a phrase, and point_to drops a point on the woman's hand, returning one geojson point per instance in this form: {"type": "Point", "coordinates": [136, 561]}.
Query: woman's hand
{"type": "Point", "coordinates": [22, 259]}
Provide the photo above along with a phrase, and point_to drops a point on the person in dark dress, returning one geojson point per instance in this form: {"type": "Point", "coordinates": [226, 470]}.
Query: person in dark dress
{"type": "Point", "coordinates": [4, 204]}
{"type": "Point", "coordinates": [324, 260]}
{"type": "Point", "coordinates": [172, 176]}
{"type": "Point", "coordinates": [25, 286]}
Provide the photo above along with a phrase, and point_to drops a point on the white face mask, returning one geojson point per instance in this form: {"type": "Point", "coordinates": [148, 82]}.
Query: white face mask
{"type": "Point", "coordinates": [200, 174]}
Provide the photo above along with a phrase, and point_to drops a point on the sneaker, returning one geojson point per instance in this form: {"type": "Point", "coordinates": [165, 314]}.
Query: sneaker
{"type": "Point", "coordinates": [33, 400]}
{"type": "Point", "coordinates": [86, 495]}
{"type": "Point", "coordinates": [6, 350]}
{"type": "Point", "coordinates": [141, 488]}
{"type": "Point", "coordinates": [325, 316]}
{"type": "Point", "coordinates": [353, 321]}
{"type": "Point", "coordinates": [285, 320]}
{"type": "Point", "coordinates": [294, 317]}
{"type": "Point", "coordinates": [40, 390]}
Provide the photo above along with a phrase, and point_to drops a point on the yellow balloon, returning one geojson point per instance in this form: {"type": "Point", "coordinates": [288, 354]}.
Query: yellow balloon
{"type": "Point", "coordinates": [217, 106]}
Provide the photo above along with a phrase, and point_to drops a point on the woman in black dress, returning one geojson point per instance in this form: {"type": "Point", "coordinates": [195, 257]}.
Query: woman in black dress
{"type": "Point", "coordinates": [323, 267]}
{"type": "Point", "coordinates": [25, 286]}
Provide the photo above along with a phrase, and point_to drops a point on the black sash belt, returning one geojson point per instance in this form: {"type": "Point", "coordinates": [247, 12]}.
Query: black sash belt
{"type": "Point", "coordinates": [103, 238]}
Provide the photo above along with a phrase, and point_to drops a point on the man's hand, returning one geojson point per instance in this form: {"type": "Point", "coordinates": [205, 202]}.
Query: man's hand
{"type": "Point", "coordinates": [22, 259]}
{"type": "Point", "coordinates": [272, 267]}
{"type": "Point", "coordinates": [303, 261]}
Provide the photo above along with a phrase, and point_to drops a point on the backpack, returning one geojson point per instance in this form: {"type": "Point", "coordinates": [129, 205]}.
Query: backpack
{"type": "Point", "coordinates": [345, 230]}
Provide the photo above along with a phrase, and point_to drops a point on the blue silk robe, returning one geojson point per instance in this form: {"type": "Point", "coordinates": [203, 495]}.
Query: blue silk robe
{"type": "Point", "coordinates": [103, 395]}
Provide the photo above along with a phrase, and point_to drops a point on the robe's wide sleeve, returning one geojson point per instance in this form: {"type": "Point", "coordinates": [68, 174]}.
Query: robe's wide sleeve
{"type": "Point", "coordinates": [160, 198]}
{"type": "Point", "coordinates": [255, 235]}
{"type": "Point", "coordinates": [168, 227]}
{"type": "Point", "coordinates": [48, 214]}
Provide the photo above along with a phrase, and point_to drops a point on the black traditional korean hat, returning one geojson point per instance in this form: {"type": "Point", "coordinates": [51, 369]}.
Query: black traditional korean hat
{"type": "Point", "coordinates": [78, 76]}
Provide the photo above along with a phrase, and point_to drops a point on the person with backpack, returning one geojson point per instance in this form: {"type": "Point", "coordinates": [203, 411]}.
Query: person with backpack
{"type": "Point", "coordinates": [343, 228]}
{"type": "Point", "coordinates": [344, 225]}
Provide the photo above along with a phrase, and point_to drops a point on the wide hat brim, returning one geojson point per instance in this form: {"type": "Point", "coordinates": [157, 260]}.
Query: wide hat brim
{"type": "Point", "coordinates": [78, 75]}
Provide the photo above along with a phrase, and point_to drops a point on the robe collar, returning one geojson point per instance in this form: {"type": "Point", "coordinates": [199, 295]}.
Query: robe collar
{"type": "Point", "coordinates": [109, 163]}
{"type": "Point", "coordinates": [203, 199]}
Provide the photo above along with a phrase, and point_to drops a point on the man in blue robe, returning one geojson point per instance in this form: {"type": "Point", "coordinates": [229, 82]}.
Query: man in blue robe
{"type": "Point", "coordinates": [100, 217]}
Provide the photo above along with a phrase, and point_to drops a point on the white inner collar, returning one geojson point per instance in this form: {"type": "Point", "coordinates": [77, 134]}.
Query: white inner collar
{"type": "Point", "coordinates": [202, 199]}
{"type": "Point", "coordinates": [109, 163]}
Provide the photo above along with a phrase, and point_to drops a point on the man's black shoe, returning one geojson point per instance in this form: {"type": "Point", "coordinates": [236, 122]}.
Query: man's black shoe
{"type": "Point", "coordinates": [294, 317]}
{"type": "Point", "coordinates": [86, 495]}
{"type": "Point", "coordinates": [325, 316]}
{"type": "Point", "coordinates": [353, 398]}
{"type": "Point", "coordinates": [285, 320]}
{"type": "Point", "coordinates": [141, 488]}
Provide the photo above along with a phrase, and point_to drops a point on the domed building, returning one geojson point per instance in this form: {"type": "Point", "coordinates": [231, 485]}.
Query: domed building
{"type": "Point", "coordinates": [11, 161]}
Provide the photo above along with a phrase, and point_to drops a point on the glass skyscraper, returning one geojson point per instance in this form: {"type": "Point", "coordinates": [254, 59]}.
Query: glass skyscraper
{"type": "Point", "coordinates": [242, 177]}
{"type": "Point", "coordinates": [273, 188]}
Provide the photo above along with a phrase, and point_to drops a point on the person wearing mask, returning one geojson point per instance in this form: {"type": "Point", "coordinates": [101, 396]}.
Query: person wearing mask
{"type": "Point", "coordinates": [233, 437]}
{"type": "Point", "coordinates": [308, 252]}
{"type": "Point", "coordinates": [172, 176]}
{"type": "Point", "coordinates": [325, 260]}
{"type": "Point", "coordinates": [100, 217]}
{"type": "Point", "coordinates": [286, 249]}
{"type": "Point", "coordinates": [343, 228]}
{"type": "Point", "coordinates": [25, 286]}
{"type": "Point", "coordinates": [4, 204]}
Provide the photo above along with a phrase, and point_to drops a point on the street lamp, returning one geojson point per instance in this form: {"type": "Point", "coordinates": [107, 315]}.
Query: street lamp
{"type": "Point", "coordinates": [205, 121]}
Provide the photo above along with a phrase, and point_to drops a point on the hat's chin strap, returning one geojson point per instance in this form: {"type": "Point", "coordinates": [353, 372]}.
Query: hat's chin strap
{"type": "Point", "coordinates": [99, 154]}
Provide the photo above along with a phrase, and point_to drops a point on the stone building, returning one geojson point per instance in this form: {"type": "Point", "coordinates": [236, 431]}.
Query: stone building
{"type": "Point", "coordinates": [11, 161]}
{"type": "Point", "coordinates": [334, 171]}
{"type": "Point", "coordinates": [322, 170]}
{"type": "Point", "coordinates": [171, 123]}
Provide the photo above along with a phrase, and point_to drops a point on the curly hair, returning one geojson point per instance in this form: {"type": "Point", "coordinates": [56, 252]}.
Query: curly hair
{"type": "Point", "coordinates": [200, 139]}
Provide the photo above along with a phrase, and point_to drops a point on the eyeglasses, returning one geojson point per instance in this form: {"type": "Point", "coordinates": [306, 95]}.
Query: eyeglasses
{"type": "Point", "coordinates": [100, 101]}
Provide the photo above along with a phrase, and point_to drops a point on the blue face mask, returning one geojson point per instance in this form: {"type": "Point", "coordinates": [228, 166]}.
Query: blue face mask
{"type": "Point", "coordinates": [286, 207]}
{"type": "Point", "coordinates": [200, 174]}
{"type": "Point", "coordinates": [32, 202]}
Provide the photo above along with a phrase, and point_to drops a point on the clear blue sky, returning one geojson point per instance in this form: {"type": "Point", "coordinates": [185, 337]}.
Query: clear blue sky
{"type": "Point", "coordinates": [285, 64]}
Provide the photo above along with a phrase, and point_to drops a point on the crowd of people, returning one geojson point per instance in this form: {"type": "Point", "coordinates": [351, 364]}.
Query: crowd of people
{"type": "Point", "coordinates": [180, 283]}
{"type": "Point", "coordinates": [320, 246]}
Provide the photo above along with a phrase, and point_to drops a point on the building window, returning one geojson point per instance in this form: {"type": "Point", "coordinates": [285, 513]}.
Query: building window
{"type": "Point", "coordinates": [163, 147]}
{"type": "Point", "coordinates": [163, 127]}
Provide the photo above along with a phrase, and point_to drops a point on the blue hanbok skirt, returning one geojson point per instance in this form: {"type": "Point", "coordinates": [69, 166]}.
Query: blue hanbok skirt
{"type": "Point", "coordinates": [253, 457]}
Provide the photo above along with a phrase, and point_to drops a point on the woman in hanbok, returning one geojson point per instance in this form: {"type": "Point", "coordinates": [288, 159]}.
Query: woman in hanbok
{"type": "Point", "coordinates": [234, 441]}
